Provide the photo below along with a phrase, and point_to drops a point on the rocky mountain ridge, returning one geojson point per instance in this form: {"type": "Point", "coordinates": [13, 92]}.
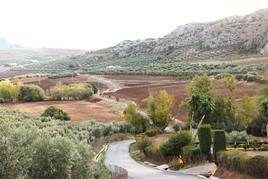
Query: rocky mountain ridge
{"type": "Point", "coordinates": [250, 32]}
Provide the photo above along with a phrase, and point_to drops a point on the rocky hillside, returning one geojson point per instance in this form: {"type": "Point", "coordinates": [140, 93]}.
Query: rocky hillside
{"type": "Point", "coordinates": [249, 32]}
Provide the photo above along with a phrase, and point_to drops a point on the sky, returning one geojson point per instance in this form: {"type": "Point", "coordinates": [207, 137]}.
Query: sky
{"type": "Point", "coordinates": [95, 24]}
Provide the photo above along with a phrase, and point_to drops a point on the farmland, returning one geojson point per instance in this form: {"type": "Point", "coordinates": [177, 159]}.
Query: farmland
{"type": "Point", "coordinates": [78, 110]}
{"type": "Point", "coordinates": [132, 88]}
{"type": "Point", "coordinates": [173, 86]}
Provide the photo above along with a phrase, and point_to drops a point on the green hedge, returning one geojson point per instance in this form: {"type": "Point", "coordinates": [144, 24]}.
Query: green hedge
{"type": "Point", "coordinates": [255, 166]}
{"type": "Point", "coordinates": [219, 142]}
{"type": "Point", "coordinates": [204, 136]}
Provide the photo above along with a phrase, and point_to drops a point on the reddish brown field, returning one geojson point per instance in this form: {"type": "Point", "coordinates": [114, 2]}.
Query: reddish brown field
{"type": "Point", "coordinates": [78, 110]}
{"type": "Point", "coordinates": [178, 89]}
{"type": "Point", "coordinates": [10, 74]}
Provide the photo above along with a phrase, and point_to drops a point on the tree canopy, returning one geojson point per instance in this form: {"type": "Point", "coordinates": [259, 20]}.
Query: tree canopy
{"type": "Point", "coordinates": [159, 109]}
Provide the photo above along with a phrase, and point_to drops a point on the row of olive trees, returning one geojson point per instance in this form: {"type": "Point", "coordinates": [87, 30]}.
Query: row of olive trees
{"type": "Point", "coordinates": [10, 92]}
{"type": "Point", "coordinates": [40, 147]}
{"type": "Point", "coordinates": [29, 152]}
{"type": "Point", "coordinates": [20, 92]}
{"type": "Point", "coordinates": [72, 91]}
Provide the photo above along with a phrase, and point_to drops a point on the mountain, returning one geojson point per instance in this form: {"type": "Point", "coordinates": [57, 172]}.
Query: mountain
{"type": "Point", "coordinates": [250, 32]}
{"type": "Point", "coordinates": [181, 51]}
{"type": "Point", "coordinates": [6, 45]}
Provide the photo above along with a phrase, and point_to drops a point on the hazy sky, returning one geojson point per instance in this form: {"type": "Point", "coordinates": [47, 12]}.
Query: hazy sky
{"type": "Point", "coordinates": [93, 24]}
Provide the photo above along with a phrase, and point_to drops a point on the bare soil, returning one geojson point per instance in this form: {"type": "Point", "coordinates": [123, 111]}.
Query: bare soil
{"type": "Point", "coordinates": [78, 110]}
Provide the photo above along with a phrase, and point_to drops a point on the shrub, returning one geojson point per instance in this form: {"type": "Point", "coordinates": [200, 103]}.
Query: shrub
{"type": "Point", "coordinates": [219, 142]}
{"type": "Point", "coordinates": [152, 152]}
{"type": "Point", "coordinates": [8, 91]}
{"type": "Point", "coordinates": [151, 132]}
{"type": "Point", "coordinates": [264, 147]}
{"type": "Point", "coordinates": [173, 147]}
{"type": "Point", "coordinates": [31, 93]}
{"type": "Point", "coordinates": [257, 127]}
{"type": "Point", "coordinates": [192, 154]}
{"type": "Point", "coordinates": [56, 113]}
{"type": "Point", "coordinates": [204, 136]}
{"type": "Point", "coordinates": [235, 137]}
{"type": "Point", "coordinates": [142, 143]}
{"type": "Point", "coordinates": [255, 166]}
{"type": "Point", "coordinates": [134, 118]}
{"type": "Point", "coordinates": [107, 130]}
{"type": "Point", "coordinates": [176, 127]}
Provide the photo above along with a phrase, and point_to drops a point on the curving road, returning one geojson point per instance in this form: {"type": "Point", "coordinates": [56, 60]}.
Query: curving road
{"type": "Point", "coordinates": [118, 154]}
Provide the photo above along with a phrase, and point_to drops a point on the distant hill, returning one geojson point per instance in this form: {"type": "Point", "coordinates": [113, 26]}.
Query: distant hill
{"type": "Point", "coordinates": [22, 56]}
{"type": "Point", "coordinates": [181, 51]}
{"type": "Point", "coordinates": [6, 45]}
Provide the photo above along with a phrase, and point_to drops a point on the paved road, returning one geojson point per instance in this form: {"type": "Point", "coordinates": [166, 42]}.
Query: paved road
{"type": "Point", "coordinates": [118, 154]}
{"type": "Point", "coordinates": [254, 153]}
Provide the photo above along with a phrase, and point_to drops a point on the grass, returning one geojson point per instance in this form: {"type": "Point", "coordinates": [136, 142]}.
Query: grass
{"type": "Point", "coordinates": [135, 152]}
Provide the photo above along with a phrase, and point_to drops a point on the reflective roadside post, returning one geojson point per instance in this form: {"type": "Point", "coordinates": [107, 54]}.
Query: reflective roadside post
{"type": "Point", "coordinates": [267, 130]}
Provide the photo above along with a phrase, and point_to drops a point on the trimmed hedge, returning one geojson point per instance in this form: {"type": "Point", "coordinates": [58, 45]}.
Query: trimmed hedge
{"type": "Point", "coordinates": [255, 166]}
{"type": "Point", "coordinates": [204, 136]}
{"type": "Point", "coordinates": [219, 142]}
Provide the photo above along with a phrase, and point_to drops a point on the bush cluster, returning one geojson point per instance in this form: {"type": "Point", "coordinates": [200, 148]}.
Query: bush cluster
{"type": "Point", "coordinates": [173, 147]}
{"type": "Point", "coordinates": [20, 92]}
{"type": "Point", "coordinates": [192, 154]}
{"type": "Point", "coordinates": [29, 93]}
{"type": "Point", "coordinates": [255, 166]}
{"type": "Point", "coordinates": [151, 132]}
{"type": "Point", "coordinates": [71, 91]}
{"type": "Point", "coordinates": [56, 113]}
